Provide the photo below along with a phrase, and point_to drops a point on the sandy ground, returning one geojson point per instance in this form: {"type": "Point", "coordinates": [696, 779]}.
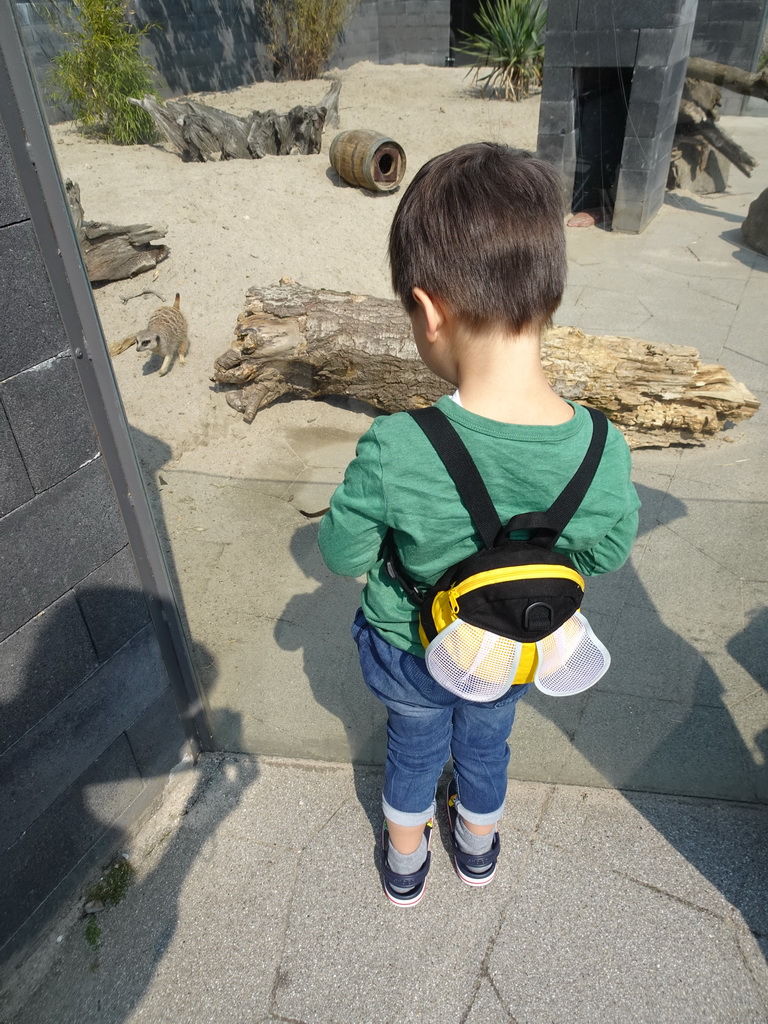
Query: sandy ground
{"type": "Point", "coordinates": [236, 223]}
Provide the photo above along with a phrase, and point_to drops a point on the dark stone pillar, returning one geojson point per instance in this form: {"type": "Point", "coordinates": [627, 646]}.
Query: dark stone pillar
{"type": "Point", "coordinates": [619, 67]}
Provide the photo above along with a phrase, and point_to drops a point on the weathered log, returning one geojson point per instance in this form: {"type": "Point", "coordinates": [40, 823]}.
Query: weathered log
{"type": "Point", "coordinates": [201, 133]}
{"type": "Point", "coordinates": [730, 77]}
{"type": "Point", "coordinates": [693, 121]}
{"type": "Point", "coordinates": [294, 340]}
{"type": "Point", "coordinates": [113, 252]}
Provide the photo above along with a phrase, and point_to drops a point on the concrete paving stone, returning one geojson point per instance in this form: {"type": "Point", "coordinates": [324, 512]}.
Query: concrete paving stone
{"type": "Point", "coordinates": [262, 788]}
{"type": "Point", "coordinates": [689, 638]}
{"type": "Point", "coordinates": [604, 598]}
{"type": "Point", "coordinates": [602, 311]}
{"type": "Point", "coordinates": [199, 939]}
{"type": "Point", "coordinates": [660, 746]}
{"type": "Point", "coordinates": [486, 1007]}
{"type": "Point", "coordinates": [740, 252]}
{"type": "Point", "coordinates": [716, 528]}
{"type": "Point", "coordinates": [703, 853]}
{"type": "Point", "coordinates": [290, 719]}
{"type": "Point", "coordinates": [652, 479]}
{"type": "Point", "coordinates": [703, 555]}
{"type": "Point", "coordinates": [649, 660]}
{"type": "Point", "coordinates": [749, 646]}
{"type": "Point", "coordinates": [706, 336]}
{"type": "Point", "coordinates": [585, 944]}
{"type": "Point", "coordinates": [524, 805]}
{"type": "Point", "coordinates": [750, 715]}
{"type": "Point", "coordinates": [689, 304]}
{"type": "Point", "coordinates": [724, 842]}
{"type": "Point", "coordinates": [754, 949]}
{"type": "Point", "coordinates": [355, 963]}
{"type": "Point", "coordinates": [747, 333]}
{"type": "Point", "coordinates": [750, 371]}
{"type": "Point", "coordinates": [655, 462]}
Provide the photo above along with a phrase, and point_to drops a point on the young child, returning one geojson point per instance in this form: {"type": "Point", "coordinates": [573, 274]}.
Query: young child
{"type": "Point", "coordinates": [477, 252]}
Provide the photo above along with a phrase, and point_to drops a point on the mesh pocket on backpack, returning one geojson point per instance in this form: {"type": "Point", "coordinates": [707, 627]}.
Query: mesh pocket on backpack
{"type": "Point", "coordinates": [473, 663]}
{"type": "Point", "coordinates": [571, 659]}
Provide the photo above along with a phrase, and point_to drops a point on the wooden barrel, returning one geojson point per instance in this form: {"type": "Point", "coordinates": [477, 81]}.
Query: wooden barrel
{"type": "Point", "coordinates": [368, 159]}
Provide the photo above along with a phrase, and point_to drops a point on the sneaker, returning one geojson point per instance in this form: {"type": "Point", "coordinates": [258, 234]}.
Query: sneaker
{"type": "Point", "coordinates": [474, 870]}
{"type": "Point", "coordinates": [415, 884]}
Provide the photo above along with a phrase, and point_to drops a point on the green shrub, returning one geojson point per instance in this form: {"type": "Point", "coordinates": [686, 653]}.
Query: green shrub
{"type": "Point", "coordinates": [301, 33]}
{"type": "Point", "coordinates": [509, 46]}
{"type": "Point", "coordinates": [101, 69]}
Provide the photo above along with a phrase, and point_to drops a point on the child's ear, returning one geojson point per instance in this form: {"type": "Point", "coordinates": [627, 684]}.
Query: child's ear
{"type": "Point", "coordinates": [434, 313]}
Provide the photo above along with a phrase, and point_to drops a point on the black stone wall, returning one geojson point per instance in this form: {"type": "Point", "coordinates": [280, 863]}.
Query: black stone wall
{"type": "Point", "coordinates": [730, 31]}
{"type": "Point", "coordinates": [219, 44]}
{"type": "Point", "coordinates": [87, 720]}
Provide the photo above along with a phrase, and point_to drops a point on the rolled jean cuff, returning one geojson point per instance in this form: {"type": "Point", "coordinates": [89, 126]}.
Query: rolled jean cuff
{"type": "Point", "coordinates": [405, 817]}
{"type": "Point", "coordinates": [479, 819]}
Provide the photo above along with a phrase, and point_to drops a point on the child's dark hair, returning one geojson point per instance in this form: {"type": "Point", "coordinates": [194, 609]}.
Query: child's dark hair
{"type": "Point", "coordinates": [481, 228]}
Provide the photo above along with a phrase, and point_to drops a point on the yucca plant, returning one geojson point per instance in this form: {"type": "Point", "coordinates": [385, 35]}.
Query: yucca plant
{"type": "Point", "coordinates": [508, 48]}
{"type": "Point", "coordinates": [101, 69]}
{"type": "Point", "coordinates": [301, 33]}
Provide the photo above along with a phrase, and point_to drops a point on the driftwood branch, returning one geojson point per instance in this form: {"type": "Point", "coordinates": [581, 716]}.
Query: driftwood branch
{"type": "Point", "coordinates": [292, 340]}
{"type": "Point", "coordinates": [201, 133]}
{"type": "Point", "coordinates": [693, 121]}
{"type": "Point", "coordinates": [699, 140]}
{"type": "Point", "coordinates": [111, 251]}
{"type": "Point", "coordinates": [729, 77]}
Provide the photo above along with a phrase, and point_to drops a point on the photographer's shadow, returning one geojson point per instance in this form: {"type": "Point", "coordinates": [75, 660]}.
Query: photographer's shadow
{"type": "Point", "coordinates": [319, 623]}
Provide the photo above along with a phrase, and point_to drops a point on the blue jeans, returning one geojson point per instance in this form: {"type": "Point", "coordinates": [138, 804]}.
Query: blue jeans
{"type": "Point", "coordinates": [426, 724]}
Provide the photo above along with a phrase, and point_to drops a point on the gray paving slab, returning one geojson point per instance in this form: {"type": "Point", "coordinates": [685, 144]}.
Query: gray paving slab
{"type": "Point", "coordinates": [610, 949]}
{"type": "Point", "coordinates": [257, 899]}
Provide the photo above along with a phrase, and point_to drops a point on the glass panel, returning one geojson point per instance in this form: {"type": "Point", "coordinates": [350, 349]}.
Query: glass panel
{"type": "Point", "coordinates": [684, 708]}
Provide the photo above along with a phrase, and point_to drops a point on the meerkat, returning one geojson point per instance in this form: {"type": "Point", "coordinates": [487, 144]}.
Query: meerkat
{"type": "Point", "coordinates": [166, 333]}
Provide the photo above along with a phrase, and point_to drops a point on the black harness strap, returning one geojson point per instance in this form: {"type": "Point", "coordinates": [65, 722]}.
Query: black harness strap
{"type": "Point", "coordinates": [463, 471]}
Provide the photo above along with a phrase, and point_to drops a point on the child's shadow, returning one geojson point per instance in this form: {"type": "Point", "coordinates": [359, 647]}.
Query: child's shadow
{"type": "Point", "coordinates": [319, 623]}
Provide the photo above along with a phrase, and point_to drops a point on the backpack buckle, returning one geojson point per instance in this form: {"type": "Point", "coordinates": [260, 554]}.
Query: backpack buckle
{"type": "Point", "coordinates": [537, 616]}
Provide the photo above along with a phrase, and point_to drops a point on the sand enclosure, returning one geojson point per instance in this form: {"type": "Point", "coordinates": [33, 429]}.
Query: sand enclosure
{"type": "Point", "coordinates": [235, 223]}
{"type": "Point", "coordinates": [259, 604]}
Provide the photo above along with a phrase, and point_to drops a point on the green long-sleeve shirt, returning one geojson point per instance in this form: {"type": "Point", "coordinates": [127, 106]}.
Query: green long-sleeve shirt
{"type": "Point", "coordinates": [397, 480]}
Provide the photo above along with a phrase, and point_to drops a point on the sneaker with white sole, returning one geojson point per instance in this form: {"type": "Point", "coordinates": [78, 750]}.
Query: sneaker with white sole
{"type": "Point", "coordinates": [413, 884]}
{"type": "Point", "coordinates": [473, 870]}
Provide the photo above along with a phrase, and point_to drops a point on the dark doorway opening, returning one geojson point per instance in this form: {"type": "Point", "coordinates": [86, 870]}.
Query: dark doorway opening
{"type": "Point", "coordinates": [602, 99]}
{"type": "Point", "coordinates": [462, 20]}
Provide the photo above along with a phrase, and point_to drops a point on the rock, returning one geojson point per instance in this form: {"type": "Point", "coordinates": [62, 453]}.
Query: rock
{"type": "Point", "coordinates": [754, 229]}
{"type": "Point", "coordinates": [93, 907]}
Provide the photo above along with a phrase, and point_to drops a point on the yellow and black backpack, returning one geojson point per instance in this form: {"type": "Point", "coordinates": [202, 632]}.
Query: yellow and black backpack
{"type": "Point", "coordinates": [508, 614]}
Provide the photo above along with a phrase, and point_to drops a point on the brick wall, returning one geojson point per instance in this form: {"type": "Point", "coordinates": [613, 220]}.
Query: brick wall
{"type": "Point", "coordinates": [87, 720]}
